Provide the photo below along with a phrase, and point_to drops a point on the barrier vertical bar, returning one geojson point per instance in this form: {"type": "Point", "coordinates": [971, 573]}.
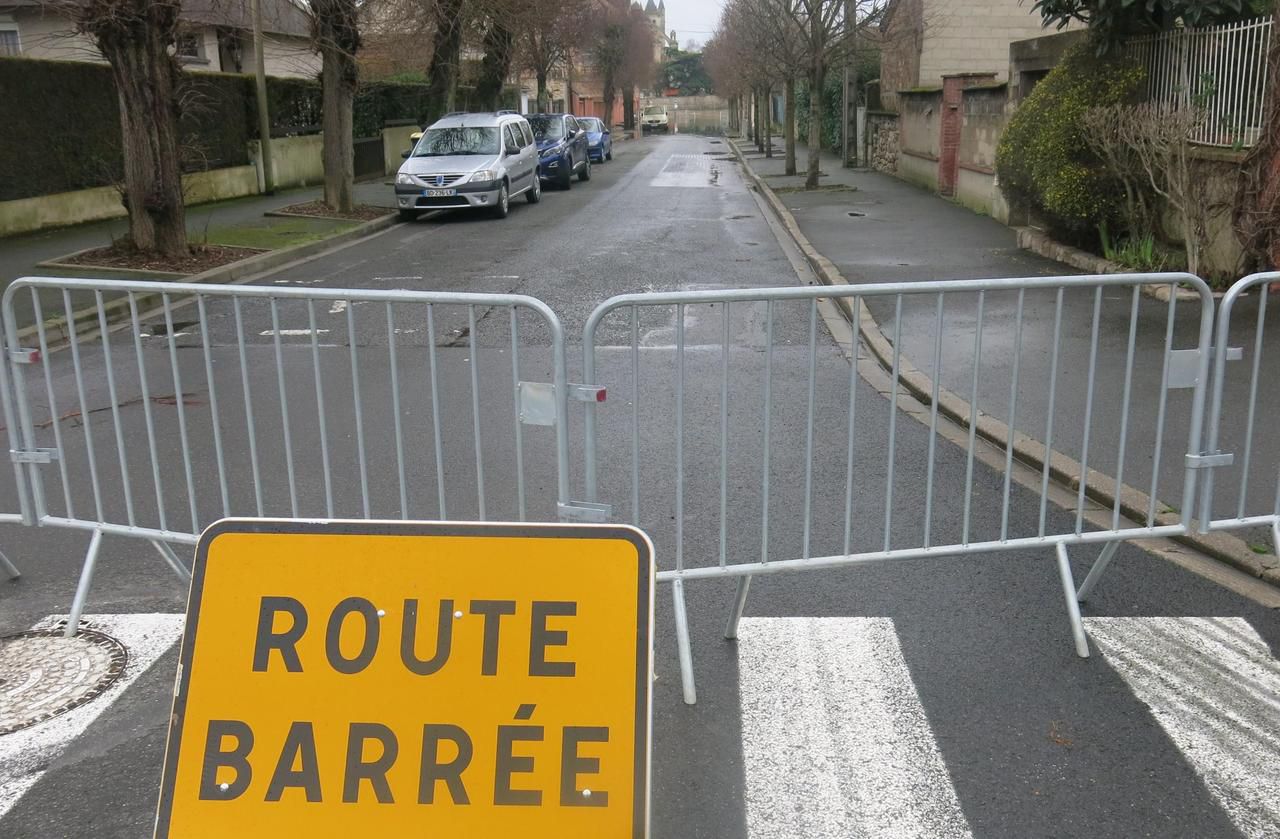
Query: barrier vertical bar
{"type": "Point", "coordinates": [893, 422]}
{"type": "Point", "coordinates": [146, 410]}
{"type": "Point", "coordinates": [1053, 392]}
{"type": "Point", "coordinates": [250, 426]}
{"type": "Point", "coordinates": [321, 405]}
{"type": "Point", "coordinates": [724, 437]}
{"type": "Point", "coordinates": [808, 435]}
{"type": "Point", "coordinates": [1124, 410]}
{"type": "Point", "coordinates": [213, 405]}
{"type": "Point", "coordinates": [635, 415]}
{"type": "Point", "coordinates": [856, 310]}
{"type": "Point", "coordinates": [435, 411]}
{"type": "Point", "coordinates": [181, 395]}
{"type": "Point", "coordinates": [359, 406]}
{"type": "Point", "coordinates": [395, 411]}
{"type": "Point", "coordinates": [936, 373]}
{"type": "Point", "coordinates": [54, 414]}
{"type": "Point", "coordinates": [680, 437]}
{"type": "Point", "coordinates": [1247, 457]}
{"type": "Point", "coordinates": [475, 410]}
{"type": "Point", "coordinates": [518, 428]}
{"type": "Point", "coordinates": [1088, 410]}
{"type": "Point", "coordinates": [123, 457]}
{"type": "Point", "coordinates": [1164, 403]}
{"type": "Point", "coordinates": [1013, 415]}
{"type": "Point", "coordinates": [78, 368]}
{"type": "Point", "coordinates": [284, 409]}
{"type": "Point", "coordinates": [973, 418]}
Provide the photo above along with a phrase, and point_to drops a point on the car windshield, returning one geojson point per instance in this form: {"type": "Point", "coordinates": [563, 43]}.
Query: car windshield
{"type": "Point", "coordinates": [591, 124]}
{"type": "Point", "coordinates": [442, 142]}
{"type": "Point", "coordinates": [547, 128]}
{"type": "Point", "coordinates": [654, 110]}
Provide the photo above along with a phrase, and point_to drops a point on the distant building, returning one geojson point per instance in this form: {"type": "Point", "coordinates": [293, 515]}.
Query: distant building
{"type": "Point", "coordinates": [924, 40]}
{"type": "Point", "coordinates": [215, 36]}
{"type": "Point", "coordinates": [657, 15]}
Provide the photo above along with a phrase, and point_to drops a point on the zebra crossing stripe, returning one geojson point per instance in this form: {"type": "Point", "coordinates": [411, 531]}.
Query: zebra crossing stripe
{"type": "Point", "coordinates": [26, 754]}
{"type": "Point", "coordinates": [1214, 687]}
{"type": "Point", "coordinates": [835, 740]}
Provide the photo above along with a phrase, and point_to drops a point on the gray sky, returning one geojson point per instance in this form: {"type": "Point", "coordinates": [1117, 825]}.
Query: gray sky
{"type": "Point", "coordinates": [694, 19]}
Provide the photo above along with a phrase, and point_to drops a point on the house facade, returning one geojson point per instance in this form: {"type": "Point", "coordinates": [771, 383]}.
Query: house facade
{"type": "Point", "coordinates": [215, 36]}
{"type": "Point", "coordinates": [923, 41]}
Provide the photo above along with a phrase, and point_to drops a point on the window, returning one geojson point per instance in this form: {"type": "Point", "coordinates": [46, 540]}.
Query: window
{"type": "Point", "coordinates": [190, 46]}
{"type": "Point", "coordinates": [528, 134]}
{"type": "Point", "coordinates": [510, 134]}
{"type": "Point", "coordinates": [442, 142]}
{"type": "Point", "coordinates": [9, 42]}
{"type": "Point", "coordinates": [573, 123]}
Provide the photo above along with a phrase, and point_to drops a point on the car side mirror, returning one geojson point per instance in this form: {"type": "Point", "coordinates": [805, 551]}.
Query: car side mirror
{"type": "Point", "coordinates": [607, 131]}
{"type": "Point", "coordinates": [405, 154]}
{"type": "Point", "coordinates": [513, 149]}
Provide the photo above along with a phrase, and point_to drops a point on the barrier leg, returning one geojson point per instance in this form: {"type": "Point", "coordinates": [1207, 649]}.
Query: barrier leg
{"type": "Point", "coordinates": [171, 558]}
{"type": "Point", "coordinates": [1275, 537]}
{"type": "Point", "coordinates": [1073, 605]}
{"type": "Point", "coordinates": [1095, 573]}
{"type": "Point", "coordinates": [682, 644]}
{"type": "Point", "coordinates": [8, 568]}
{"type": "Point", "coordinates": [739, 603]}
{"type": "Point", "coordinates": [82, 589]}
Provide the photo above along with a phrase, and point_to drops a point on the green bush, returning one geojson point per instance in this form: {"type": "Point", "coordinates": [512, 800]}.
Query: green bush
{"type": "Point", "coordinates": [1043, 161]}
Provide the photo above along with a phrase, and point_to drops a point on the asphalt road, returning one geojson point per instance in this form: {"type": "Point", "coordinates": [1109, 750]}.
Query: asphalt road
{"type": "Point", "coordinates": [938, 697]}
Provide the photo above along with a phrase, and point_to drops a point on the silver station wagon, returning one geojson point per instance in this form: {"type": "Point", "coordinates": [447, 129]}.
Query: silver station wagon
{"type": "Point", "coordinates": [470, 161]}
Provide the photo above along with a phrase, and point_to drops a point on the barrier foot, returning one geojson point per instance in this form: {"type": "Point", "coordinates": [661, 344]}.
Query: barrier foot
{"type": "Point", "coordinates": [172, 560]}
{"type": "Point", "coordinates": [82, 589]}
{"type": "Point", "coordinates": [739, 603]}
{"type": "Point", "coordinates": [682, 644]}
{"type": "Point", "coordinates": [8, 568]}
{"type": "Point", "coordinates": [1073, 605]}
{"type": "Point", "coordinates": [1095, 573]}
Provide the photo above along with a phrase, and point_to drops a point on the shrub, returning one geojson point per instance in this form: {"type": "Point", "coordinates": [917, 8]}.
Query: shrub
{"type": "Point", "coordinates": [1043, 160]}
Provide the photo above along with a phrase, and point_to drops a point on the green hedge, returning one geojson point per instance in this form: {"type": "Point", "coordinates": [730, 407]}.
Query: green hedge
{"type": "Point", "coordinates": [61, 130]}
{"type": "Point", "coordinates": [1043, 161]}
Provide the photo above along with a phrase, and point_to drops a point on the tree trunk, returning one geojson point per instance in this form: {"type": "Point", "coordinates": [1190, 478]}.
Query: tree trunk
{"type": "Point", "coordinates": [135, 37]}
{"type": "Point", "coordinates": [816, 79]}
{"type": "Point", "coordinates": [442, 75]}
{"type": "Point", "coordinates": [629, 108]}
{"type": "Point", "coordinates": [544, 95]}
{"type": "Point", "coordinates": [609, 90]}
{"type": "Point", "coordinates": [768, 122]}
{"type": "Point", "coordinates": [338, 83]}
{"type": "Point", "coordinates": [499, 42]}
{"type": "Point", "coordinates": [789, 130]}
{"type": "Point", "coordinates": [755, 119]}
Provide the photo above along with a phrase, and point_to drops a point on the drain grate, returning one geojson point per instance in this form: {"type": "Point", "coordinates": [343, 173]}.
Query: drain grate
{"type": "Point", "coordinates": [43, 674]}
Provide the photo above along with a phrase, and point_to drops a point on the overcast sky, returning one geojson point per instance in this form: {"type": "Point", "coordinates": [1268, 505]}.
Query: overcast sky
{"type": "Point", "coordinates": [694, 19]}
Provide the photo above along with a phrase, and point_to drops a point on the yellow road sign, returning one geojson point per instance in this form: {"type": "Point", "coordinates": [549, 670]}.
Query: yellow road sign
{"type": "Point", "coordinates": [403, 679]}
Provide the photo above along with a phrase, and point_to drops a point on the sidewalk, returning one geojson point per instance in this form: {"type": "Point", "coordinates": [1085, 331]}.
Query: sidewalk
{"type": "Point", "coordinates": [876, 228]}
{"type": "Point", "coordinates": [20, 255]}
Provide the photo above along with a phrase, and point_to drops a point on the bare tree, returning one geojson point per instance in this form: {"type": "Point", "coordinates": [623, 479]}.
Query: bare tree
{"type": "Point", "coordinates": [137, 38]}
{"type": "Point", "coordinates": [551, 29]}
{"type": "Point", "coordinates": [336, 32]}
{"type": "Point", "coordinates": [446, 57]}
{"type": "Point", "coordinates": [637, 68]}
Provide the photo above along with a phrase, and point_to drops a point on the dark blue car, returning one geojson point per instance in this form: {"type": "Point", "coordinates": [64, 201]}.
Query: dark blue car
{"type": "Point", "coordinates": [562, 148]}
{"type": "Point", "coordinates": [599, 142]}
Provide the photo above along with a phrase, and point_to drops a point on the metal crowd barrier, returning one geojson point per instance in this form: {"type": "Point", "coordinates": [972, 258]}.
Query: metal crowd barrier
{"type": "Point", "coordinates": [384, 423]}
{"type": "Point", "coordinates": [754, 480]}
{"type": "Point", "coordinates": [1257, 500]}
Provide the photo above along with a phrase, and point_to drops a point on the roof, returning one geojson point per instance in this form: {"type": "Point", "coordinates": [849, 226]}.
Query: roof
{"type": "Point", "coordinates": [474, 120]}
{"type": "Point", "coordinates": [279, 17]}
{"type": "Point", "coordinates": [650, 7]}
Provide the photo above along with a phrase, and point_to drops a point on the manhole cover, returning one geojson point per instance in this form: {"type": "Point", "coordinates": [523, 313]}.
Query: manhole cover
{"type": "Point", "coordinates": [43, 674]}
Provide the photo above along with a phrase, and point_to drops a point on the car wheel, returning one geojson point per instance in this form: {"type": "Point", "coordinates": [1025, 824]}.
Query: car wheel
{"type": "Point", "coordinates": [408, 215]}
{"type": "Point", "coordinates": [585, 174]}
{"type": "Point", "coordinates": [566, 177]}
{"type": "Point", "coordinates": [608, 154]}
{"type": "Point", "coordinates": [534, 195]}
{"type": "Point", "coordinates": [503, 206]}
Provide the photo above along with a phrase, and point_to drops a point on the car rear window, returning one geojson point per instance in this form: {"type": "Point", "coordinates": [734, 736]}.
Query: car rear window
{"type": "Point", "coordinates": [547, 128]}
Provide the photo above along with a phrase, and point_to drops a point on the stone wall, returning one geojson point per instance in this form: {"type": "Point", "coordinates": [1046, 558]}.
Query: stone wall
{"type": "Point", "coordinates": [882, 141]}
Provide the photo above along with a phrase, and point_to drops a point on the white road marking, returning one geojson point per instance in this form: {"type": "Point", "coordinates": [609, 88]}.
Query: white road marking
{"type": "Point", "coordinates": [338, 307]}
{"type": "Point", "coordinates": [391, 279]}
{"type": "Point", "coordinates": [292, 333]}
{"type": "Point", "coordinates": [27, 753]}
{"type": "Point", "coordinates": [835, 741]}
{"type": "Point", "coordinates": [684, 170]}
{"type": "Point", "coordinates": [1214, 687]}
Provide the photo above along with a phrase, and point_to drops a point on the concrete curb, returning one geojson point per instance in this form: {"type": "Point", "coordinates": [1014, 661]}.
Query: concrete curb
{"type": "Point", "coordinates": [57, 331]}
{"type": "Point", "coordinates": [1039, 242]}
{"type": "Point", "coordinates": [1101, 488]}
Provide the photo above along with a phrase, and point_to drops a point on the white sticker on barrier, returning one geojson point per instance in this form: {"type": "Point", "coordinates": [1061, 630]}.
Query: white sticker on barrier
{"type": "Point", "coordinates": [835, 741]}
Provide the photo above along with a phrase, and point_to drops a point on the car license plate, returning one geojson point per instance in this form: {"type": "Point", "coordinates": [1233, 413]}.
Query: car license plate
{"type": "Point", "coordinates": [439, 193]}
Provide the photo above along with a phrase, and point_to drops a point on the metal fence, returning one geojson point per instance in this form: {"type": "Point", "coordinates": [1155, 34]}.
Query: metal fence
{"type": "Point", "coordinates": [164, 407]}
{"type": "Point", "coordinates": [801, 404]}
{"type": "Point", "coordinates": [1224, 68]}
{"type": "Point", "coordinates": [174, 406]}
{"type": "Point", "coordinates": [1246, 430]}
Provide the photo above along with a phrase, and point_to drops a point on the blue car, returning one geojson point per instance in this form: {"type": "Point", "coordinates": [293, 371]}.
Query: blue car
{"type": "Point", "coordinates": [599, 143]}
{"type": "Point", "coordinates": [562, 148]}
